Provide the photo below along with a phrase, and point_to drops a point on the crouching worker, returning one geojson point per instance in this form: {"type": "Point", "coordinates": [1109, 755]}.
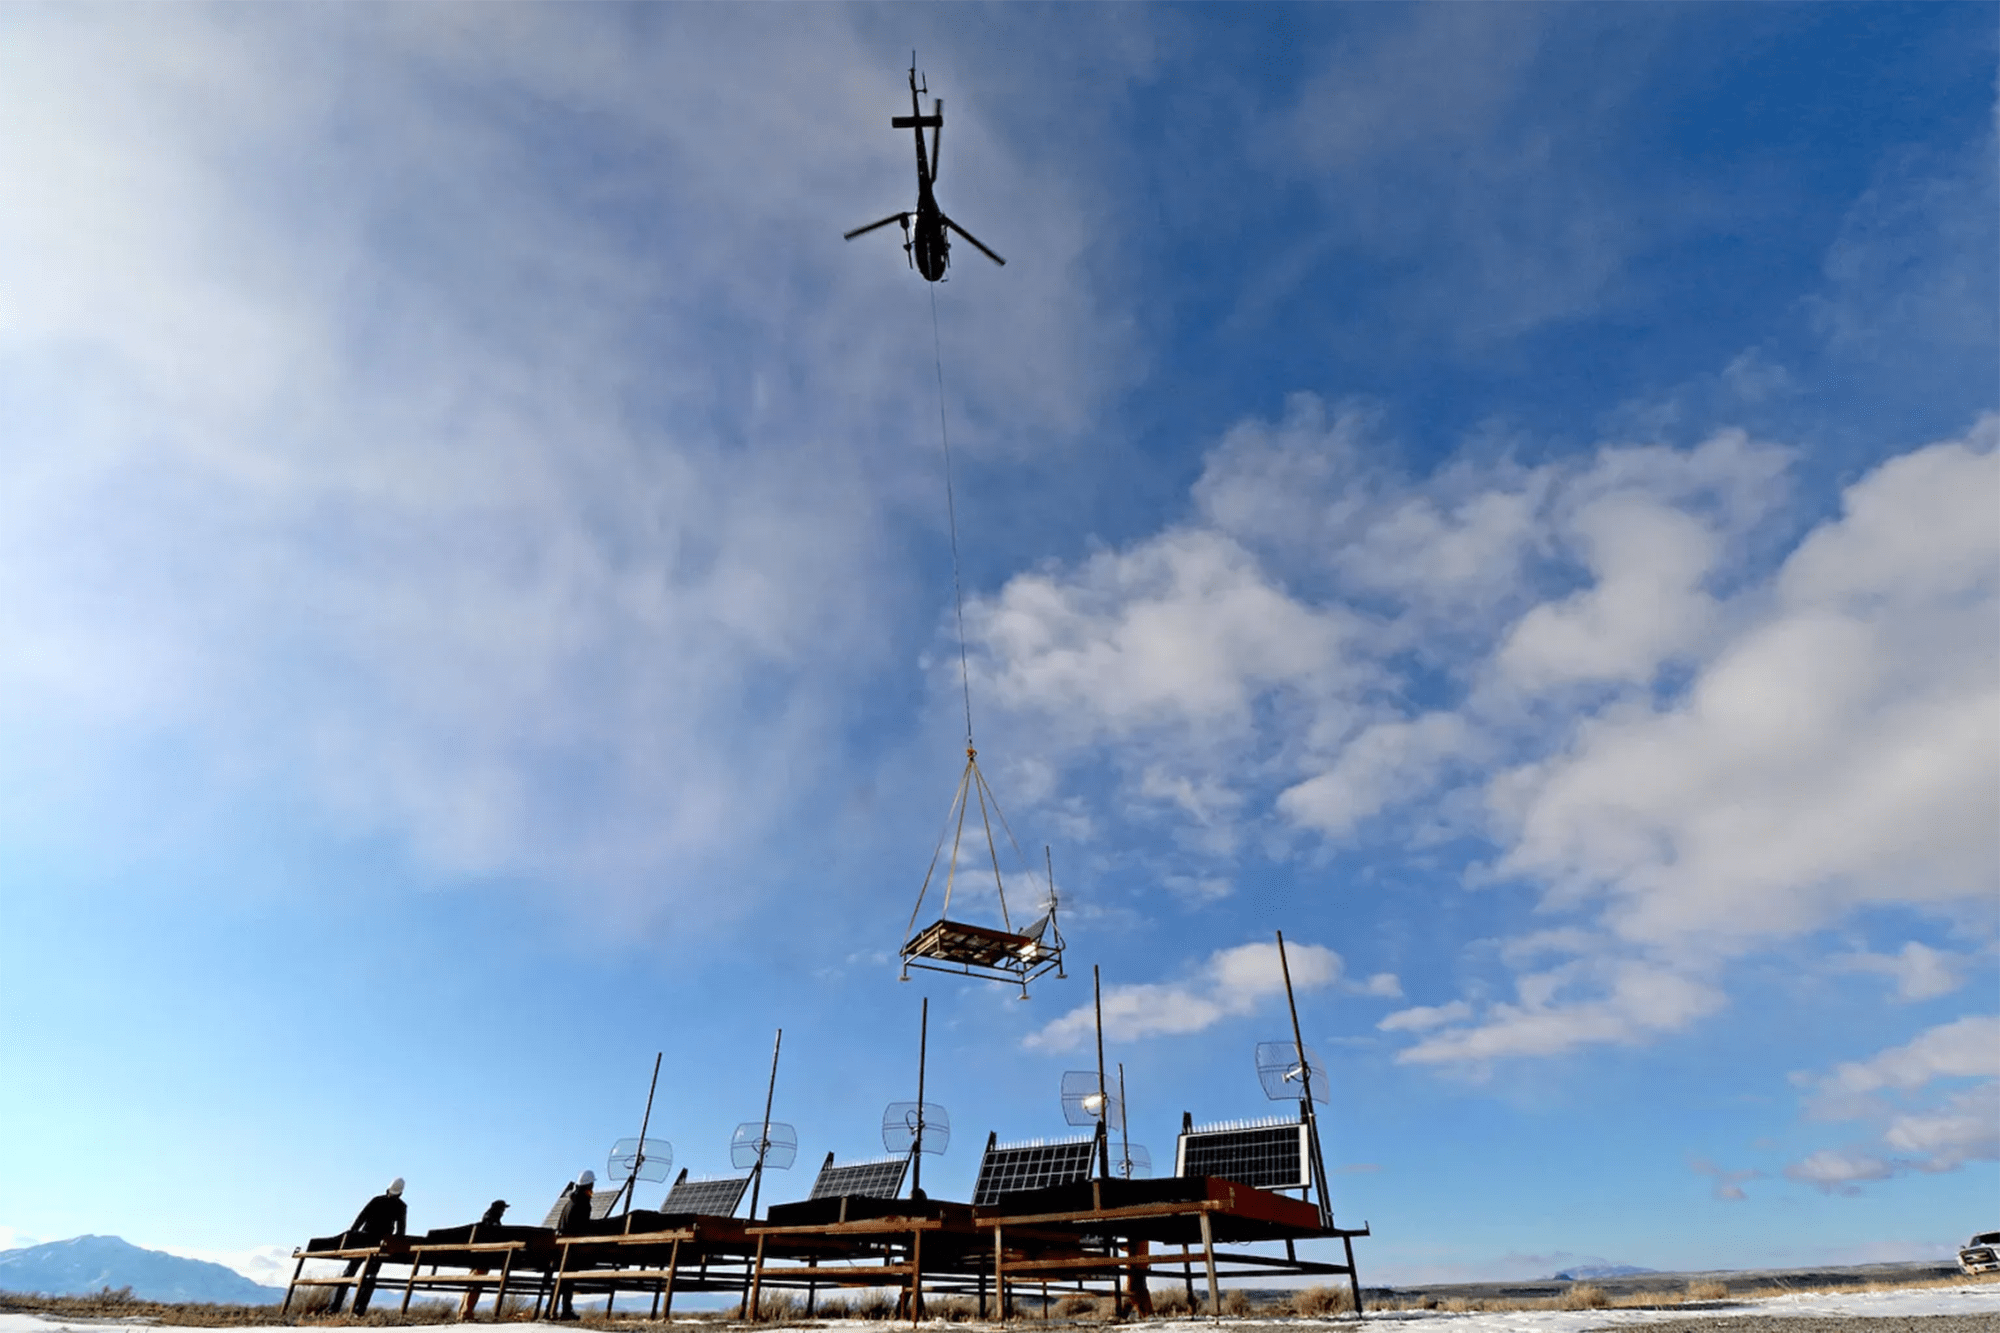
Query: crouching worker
{"type": "Point", "coordinates": [381, 1218]}
{"type": "Point", "coordinates": [470, 1301]}
{"type": "Point", "coordinates": [575, 1217]}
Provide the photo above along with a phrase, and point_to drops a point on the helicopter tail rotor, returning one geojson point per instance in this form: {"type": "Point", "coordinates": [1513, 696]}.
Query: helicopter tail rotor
{"type": "Point", "coordinates": [977, 244]}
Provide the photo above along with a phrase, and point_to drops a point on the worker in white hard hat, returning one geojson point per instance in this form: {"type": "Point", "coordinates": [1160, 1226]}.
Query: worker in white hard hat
{"type": "Point", "coordinates": [382, 1218]}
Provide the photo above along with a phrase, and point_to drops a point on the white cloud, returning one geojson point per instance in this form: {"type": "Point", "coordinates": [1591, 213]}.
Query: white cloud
{"type": "Point", "coordinates": [1966, 1128]}
{"type": "Point", "coordinates": [1230, 984]}
{"type": "Point", "coordinates": [1586, 1002]}
{"type": "Point", "coordinates": [1423, 1017]}
{"type": "Point", "coordinates": [1645, 605]}
{"type": "Point", "coordinates": [1966, 1048]}
{"type": "Point", "coordinates": [1919, 971]}
{"type": "Point", "coordinates": [1185, 629]}
{"type": "Point", "coordinates": [1728, 1186]}
{"type": "Point", "coordinates": [1832, 1169]}
{"type": "Point", "coordinates": [1385, 763]}
{"type": "Point", "coordinates": [1921, 1128]}
{"type": "Point", "coordinates": [1834, 752]}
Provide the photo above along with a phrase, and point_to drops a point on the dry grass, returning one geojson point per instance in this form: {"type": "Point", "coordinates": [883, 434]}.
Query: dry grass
{"type": "Point", "coordinates": [1587, 1297]}
{"type": "Point", "coordinates": [1323, 1301]}
{"type": "Point", "coordinates": [876, 1306]}
{"type": "Point", "coordinates": [120, 1304]}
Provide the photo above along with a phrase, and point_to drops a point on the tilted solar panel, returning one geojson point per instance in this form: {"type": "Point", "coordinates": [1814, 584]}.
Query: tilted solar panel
{"type": "Point", "coordinates": [1270, 1154]}
{"type": "Point", "coordinates": [880, 1178]}
{"type": "Point", "coordinates": [600, 1206]}
{"type": "Point", "coordinates": [714, 1197]}
{"type": "Point", "coordinates": [1011, 1168]}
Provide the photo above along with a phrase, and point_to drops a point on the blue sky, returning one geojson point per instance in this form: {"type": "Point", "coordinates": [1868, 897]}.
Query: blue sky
{"type": "Point", "coordinates": [1503, 494]}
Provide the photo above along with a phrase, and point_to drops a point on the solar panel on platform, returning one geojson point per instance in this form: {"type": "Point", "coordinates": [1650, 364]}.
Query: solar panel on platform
{"type": "Point", "coordinates": [1011, 1168]}
{"type": "Point", "coordinates": [880, 1178]}
{"type": "Point", "coordinates": [715, 1197]}
{"type": "Point", "coordinates": [600, 1206]}
{"type": "Point", "coordinates": [1270, 1154]}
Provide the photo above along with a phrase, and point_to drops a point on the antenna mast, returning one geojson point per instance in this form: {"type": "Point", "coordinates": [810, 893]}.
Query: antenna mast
{"type": "Point", "coordinates": [1103, 1101]}
{"type": "Point", "coordinates": [917, 1145]}
{"type": "Point", "coordinates": [631, 1186]}
{"type": "Point", "coordinates": [764, 1139]}
{"type": "Point", "coordinates": [1306, 1092]}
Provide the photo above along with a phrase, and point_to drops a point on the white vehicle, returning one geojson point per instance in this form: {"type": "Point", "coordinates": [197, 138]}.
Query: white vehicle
{"type": "Point", "coordinates": [1981, 1254]}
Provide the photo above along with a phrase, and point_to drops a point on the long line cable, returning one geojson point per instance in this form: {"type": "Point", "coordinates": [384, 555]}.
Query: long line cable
{"type": "Point", "coordinates": [951, 514]}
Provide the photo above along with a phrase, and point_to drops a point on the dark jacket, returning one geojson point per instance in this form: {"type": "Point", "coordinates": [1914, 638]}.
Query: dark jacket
{"type": "Point", "coordinates": [381, 1217]}
{"type": "Point", "coordinates": [577, 1211]}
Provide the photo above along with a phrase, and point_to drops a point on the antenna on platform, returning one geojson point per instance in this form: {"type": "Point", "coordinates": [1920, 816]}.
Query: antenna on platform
{"type": "Point", "coordinates": [1084, 1103]}
{"type": "Point", "coordinates": [758, 1144]}
{"type": "Point", "coordinates": [1086, 1098]}
{"type": "Point", "coordinates": [902, 1130]}
{"type": "Point", "coordinates": [1133, 1160]}
{"type": "Point", "coordinates": [917, 1127]}
{"type": "Point", "coordinates": [634, 1160]}
{"type": "Point", "coordinates": [1303, 1067]}
{"type": "Point", "coordinates": [1285, 1077]}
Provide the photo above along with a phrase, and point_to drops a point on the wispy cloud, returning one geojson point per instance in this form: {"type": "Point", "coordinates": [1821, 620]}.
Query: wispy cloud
{"type": "Point", "coordinates": [1232, 983]}
{"type": "Point", "coordinates": [1920, 1127]}
{"type": "Point", "coordinates": [1919, 971]}
{"type": "Point", "coordinates": [1728, 1185]}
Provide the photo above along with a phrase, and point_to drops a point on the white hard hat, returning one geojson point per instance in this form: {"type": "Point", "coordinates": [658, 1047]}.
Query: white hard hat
{"type": "Point", "coordinates": [396, 1185]}
{"type": "Point", "coordinates": [587, 1178]}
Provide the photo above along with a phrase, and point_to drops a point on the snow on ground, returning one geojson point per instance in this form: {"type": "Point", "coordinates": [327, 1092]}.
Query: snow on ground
{"type": "Point", "coordinates": [1971, 1299]}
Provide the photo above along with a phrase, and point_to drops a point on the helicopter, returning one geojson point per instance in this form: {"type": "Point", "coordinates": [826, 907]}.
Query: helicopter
{"type": "Point", "coordinates": [929, 250]}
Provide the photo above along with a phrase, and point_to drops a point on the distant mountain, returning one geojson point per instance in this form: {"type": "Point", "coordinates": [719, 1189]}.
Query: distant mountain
{"type": "Point", "coordinates": [1598, 1270]}
{"type": "Point", "coordinates": [84, 1265]}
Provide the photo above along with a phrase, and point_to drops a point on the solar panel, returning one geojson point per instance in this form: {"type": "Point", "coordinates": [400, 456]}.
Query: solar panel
{"type": "Point", "coordinates": [878, 1178]}
{"type": "Point", "coordinates": [1011, 1168]}
{"type": "Point", "coordinates": [1270, 1154]}
{"type": "Point", "coordinates": [717, 1196]}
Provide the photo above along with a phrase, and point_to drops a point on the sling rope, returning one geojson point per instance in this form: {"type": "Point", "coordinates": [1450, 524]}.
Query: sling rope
{"type": "Point", "coordinates": [951, 514]}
